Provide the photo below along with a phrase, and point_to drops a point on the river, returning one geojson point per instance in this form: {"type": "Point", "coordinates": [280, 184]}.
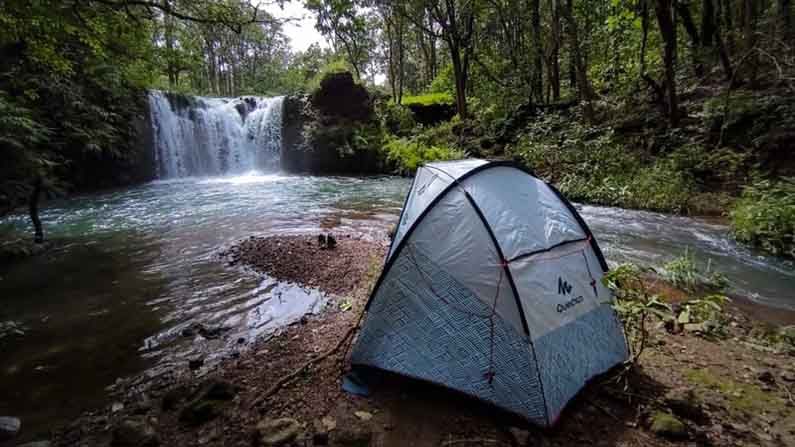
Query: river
{"type": "Point", "coordinates": [134, 267]}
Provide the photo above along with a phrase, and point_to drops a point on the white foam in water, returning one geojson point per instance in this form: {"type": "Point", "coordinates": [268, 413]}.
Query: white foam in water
{"type": "Point", "coordinates": [215, 136]}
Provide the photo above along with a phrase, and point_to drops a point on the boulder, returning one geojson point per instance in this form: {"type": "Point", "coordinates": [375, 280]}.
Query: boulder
{"type": "Point", "coordinates": [432, 114]}
{"type": "Point", "coordinates": [333, 131]}
{"type": "Point", "coordinates": [9, 427]}
{"type": "Point", "coordinates": [36, 444]}
{"type": "Point", "coordinates": [276, 432]}
{"type": "Point", "coordinates": [339, 96]}
{"type": "Point", "coordinates": [668, 426]}
{"type": "Point", "coordinates": [134, 432]}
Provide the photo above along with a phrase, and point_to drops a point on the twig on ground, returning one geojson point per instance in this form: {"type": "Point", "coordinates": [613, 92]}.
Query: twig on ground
{"type": "Point", "coordinates": [786, 390]}
{"type": "Point", "coordinates": [286, 379]}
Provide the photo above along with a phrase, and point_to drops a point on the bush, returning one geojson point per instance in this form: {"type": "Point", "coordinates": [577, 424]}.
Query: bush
{"type": "Point", "coordinates": [635, 304]}
{"type": "Point", "coordinates": [684, 272]}
{"type": "Point", "coordinates": [764, 216]}
{"type": "Point", "coordinates": [395, 118]}
{"type": "Point", "coordinates": [590, 164]}
{"type": "Point", "coordinates": [406, 155]}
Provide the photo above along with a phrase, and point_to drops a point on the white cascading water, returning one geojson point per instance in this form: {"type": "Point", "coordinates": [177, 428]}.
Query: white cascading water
{"type": "Point", "coordinates": [214, 136]}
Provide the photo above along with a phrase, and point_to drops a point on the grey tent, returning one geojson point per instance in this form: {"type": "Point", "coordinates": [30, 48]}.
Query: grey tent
{"type": "Point", "coordinates": [492, 287]}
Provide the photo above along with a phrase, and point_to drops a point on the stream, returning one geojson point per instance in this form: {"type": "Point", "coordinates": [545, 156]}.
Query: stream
{"type": "Point", "coordinates": [133, 268]}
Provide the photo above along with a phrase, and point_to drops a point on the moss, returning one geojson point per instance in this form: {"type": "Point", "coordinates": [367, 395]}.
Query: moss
{"type": "Point", "coordinates": [667, 425]}
{"type": "Point", "coordinates": [742, 399]}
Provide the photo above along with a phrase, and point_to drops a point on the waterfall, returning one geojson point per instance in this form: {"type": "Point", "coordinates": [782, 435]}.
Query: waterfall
{"type": "Point", "coordinates": [198, 136]}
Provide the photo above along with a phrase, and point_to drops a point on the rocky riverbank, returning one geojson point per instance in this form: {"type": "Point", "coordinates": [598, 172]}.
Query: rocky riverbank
{"type": "Point", "coordinates": [688, 389]}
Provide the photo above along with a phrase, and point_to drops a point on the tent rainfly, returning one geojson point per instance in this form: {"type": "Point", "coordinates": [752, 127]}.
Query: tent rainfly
{"type": "Point", "coordinates": [492, 287]}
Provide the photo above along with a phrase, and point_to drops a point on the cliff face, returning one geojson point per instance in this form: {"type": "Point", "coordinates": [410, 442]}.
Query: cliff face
{"type": "Point", "coordinates": [333, 131]}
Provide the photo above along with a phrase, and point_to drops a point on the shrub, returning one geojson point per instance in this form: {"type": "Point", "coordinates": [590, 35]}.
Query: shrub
{"type": "Point", "coordinates": [590, 164]}
{"type": "Point", "coordinates": [406, 155]}
{"type": "Point", "coordinates": [635, 304]}
{"type": "Point", "coordinates": [428, 99]}
{"type": "Point", "coordinates": [684, 272]}
{"type": "Point", "coordinates": [395, 118]}
{"type": "Point", "coordinates": [764, 216]}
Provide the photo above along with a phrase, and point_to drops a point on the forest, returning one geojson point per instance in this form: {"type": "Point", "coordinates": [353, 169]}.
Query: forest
{"type": "Point", "coordinates": [680, 106]}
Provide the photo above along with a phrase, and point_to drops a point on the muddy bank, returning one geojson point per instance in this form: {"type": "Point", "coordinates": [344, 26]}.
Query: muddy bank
{"type": "Point", "coordinates": [686, 390]}
{"type": "Point", "coordinates": [334, 267]}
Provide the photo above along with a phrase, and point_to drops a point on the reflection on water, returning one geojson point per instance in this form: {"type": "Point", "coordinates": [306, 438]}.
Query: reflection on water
{"type": "Point", "coordinates": [137, 267]}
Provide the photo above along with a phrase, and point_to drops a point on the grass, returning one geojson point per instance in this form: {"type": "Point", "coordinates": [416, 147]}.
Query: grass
{"type": "Point", "coordinates": [684, 273]}
{"type": "Point", "coordinates": [764, 216]}
{"type": "Point", "coordinates": [742, 399]}
{"type": "Point", "coordinates": [428, 99]}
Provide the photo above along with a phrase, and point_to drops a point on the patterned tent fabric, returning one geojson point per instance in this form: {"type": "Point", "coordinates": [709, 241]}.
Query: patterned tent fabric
{"type": "Point", "coordinates": [523, 331]}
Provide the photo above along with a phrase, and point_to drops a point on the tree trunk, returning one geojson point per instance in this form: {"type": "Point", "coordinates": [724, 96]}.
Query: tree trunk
{"type": "Point", "coordinates": [723, 54]}
{"type": "Point", "coordinates": [707, 23]}
{"type": "Point", "coordinates": [572, 62]}
{"type": "Point", "coordinates": [554, 62]}
{"type": "Point", "coordinates": [584, 90]}
{"type": "Point", "coordinates": [537, 79]}
{"type": "Point", "coordinates": [460, 81]}
{"type": "Point", "coordinates": [750, 9]}
{"type": "Point", "coordinates": [664, 10]}
{"type": "Point", "coordinates": [690, 26]}
{"type": "Point", "coordinates": [33, 209]}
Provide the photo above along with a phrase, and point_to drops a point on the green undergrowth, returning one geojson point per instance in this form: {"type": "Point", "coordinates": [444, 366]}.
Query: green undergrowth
{"type": "Point", "coordinates": [407, 154]}
{"type": "Point", "coordinates": [764, 216]}
{"type": "Point", "coordinates": [428, 99]}
{"type": "Point", "coordinates": [424, 144]}
{"type": "Point", "coordinates": [685, 273]}
{"type": "Point", "coordinates": [595, 164]}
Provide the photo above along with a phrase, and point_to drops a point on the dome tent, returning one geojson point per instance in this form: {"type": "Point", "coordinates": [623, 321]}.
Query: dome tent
{"type": "Point", "coordinates": [492, 287]}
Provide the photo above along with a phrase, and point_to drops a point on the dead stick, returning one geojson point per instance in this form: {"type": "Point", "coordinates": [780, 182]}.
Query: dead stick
{"type": "Point", "coordinates": [284, 380]}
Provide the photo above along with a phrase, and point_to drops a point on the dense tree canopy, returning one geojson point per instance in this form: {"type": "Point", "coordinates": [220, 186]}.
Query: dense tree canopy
{"type": "Point", "coordinates": [73, 73]}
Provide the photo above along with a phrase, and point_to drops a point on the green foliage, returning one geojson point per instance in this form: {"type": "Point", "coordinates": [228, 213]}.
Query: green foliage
{"type": "Point", "coordinates": [407, 154]}
{"type": "Point", "coordinates": [684, 272]}
{"type": "Point", "coordinates": [765, 216]}
{"type": "Point", "coordinates": [70, 90]}
{"type": "Point", "coordinates": [332, 67]}
{"type": "Point", "coordinates": [635, 304]}
{"type": "Point", "coordinates": [590, 164]}
{"type": "Point", "coordinates": [395, 118]}
{"type": "Point", "coordinates": [444, 82]}
{"type": "Point", "coordinates": [704, 315]}
{"type": "Point", "coordinates": [428, 99]}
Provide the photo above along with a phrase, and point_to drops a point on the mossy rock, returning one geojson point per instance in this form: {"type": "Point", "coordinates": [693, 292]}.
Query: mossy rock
{"type": "Point", "coordinates": [668, 426]}
{"type": "Point", "coordinates": [339, 96]}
